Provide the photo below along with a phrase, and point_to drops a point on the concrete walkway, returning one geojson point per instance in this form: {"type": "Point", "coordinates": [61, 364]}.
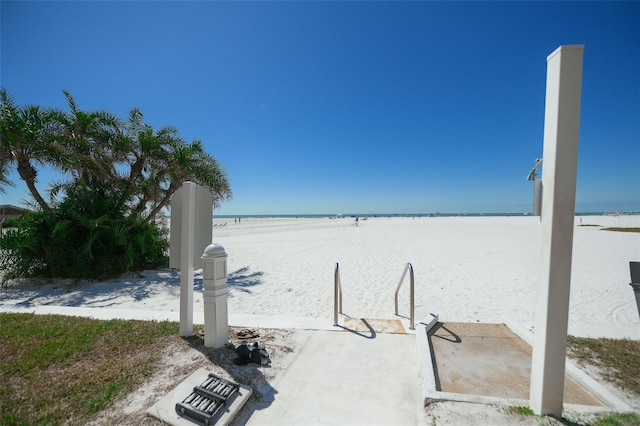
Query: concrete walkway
{"type": "Point", "coordinates": [362, 373]}
{"type": "Point", "coordinates": [347, 377]}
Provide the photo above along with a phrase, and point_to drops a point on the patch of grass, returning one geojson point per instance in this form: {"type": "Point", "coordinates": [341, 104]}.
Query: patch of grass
{"type": "Point", "coordinates": [617, 419]}
{"type": "Point", "coordinates": [617, 359]}
{"type": "Point", "coordinates": [592, 419]}
{"type": "Point", "coordinates": [603, 419]}
{"type": "Point", "coordinates": [522, 411]}
{"type": "Point", "coordinates": [62, 370]}
{"type": "Point", "coordinates": [621, 229]}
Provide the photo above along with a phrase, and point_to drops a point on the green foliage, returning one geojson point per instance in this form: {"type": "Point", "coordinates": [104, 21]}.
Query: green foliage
{"type": "Point", "coordinates": [622, 229]}
{"type": "Point", "coordinates": [125, 159]}
{"type": "Point", "coordinates": [87, 238]}
{"type": "Point", "coordinates": [120, 174]}
{"type": "Point", "coordinates": [522, 411]}
{"type": "Point", "coordinates": [9, 223]}
{"type": "Point", "coordinates": [617, 419]}
{"type": "Point", "coordinates": [602, 419]}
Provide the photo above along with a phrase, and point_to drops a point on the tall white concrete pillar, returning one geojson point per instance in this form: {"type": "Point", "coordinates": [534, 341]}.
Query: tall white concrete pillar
{"type": "Point", "coordinates": [188, 227]}
{"type": "Point", "coordinates": [216, 315]}
{"type": "Point", "coordinates": [561, 129]}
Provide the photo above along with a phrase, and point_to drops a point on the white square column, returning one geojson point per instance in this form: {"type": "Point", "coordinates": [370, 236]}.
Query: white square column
{"type": "Point", "coordinates": [191, 227]}
{"type": "Point", "coordinates": [203, 224]}
{"type": "Point", "coordinates": [561, 129]}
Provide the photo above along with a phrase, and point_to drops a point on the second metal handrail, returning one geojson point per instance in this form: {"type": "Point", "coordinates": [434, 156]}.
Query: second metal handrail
{"type": "Point", "coordinates": [409, 268]}
{"type": "Point", "coordinates": [337, 294]}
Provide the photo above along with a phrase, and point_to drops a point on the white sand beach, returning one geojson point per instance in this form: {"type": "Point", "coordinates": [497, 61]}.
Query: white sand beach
{"type": "Point", "coordinates": [476, 269]}
{"type": "Point", "coordinates": [281, 271]}
{"type": "Point", "coordinates": [466, 269]}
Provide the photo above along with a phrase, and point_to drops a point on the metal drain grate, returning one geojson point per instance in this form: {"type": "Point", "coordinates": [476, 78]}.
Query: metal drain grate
{"type": "Point", "coordinates": [206, 400]}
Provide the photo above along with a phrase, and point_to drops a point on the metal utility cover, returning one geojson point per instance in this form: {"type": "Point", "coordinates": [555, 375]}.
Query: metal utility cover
{"type": "Point", "coordinates": [165, 409]}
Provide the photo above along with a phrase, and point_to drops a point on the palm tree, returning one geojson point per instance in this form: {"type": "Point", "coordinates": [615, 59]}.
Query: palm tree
{"type": "Point", "coordinates": [92, 141]}
{"type": "Point", "coordinates": [4, 168]}
{"type": "Point", "coordinates": [187, 162]}
{"type": "Point", "coordinates": [139, 167]}
{"type": "Point", "coordinates": [119, 175]}
{"type": "Point", "coordinates": [159, 161]}
{"type": "Point", "coordinates": [23, 141]}
{"type": "Point", "coordinates": [147, 151]}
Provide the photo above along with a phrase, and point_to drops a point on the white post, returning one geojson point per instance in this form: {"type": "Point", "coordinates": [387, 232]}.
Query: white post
{"type": "Point", "coordinates": [561, 128]}
{"type": "Point", "coordinates": [537, 197]}
{"type": "Point", "coordinates": [216, 316]}
{"type": "Point", "coordinates": [188, 227]}
{"type": "Point", "coordinates": [203, 225]}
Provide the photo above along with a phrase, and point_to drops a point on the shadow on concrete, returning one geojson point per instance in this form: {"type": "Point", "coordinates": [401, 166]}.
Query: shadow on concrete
{"type": "Point", "coordinates": [453, 339]}
{"type": "Point", "coordinates": [372, 333]}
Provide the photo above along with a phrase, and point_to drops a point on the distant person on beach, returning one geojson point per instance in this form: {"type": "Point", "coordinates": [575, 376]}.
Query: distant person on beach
{"type": "Point", "coordinates": [357, 220]}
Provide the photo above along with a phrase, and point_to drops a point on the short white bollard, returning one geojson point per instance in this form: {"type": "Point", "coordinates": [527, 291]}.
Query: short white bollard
{"type": "Point", "coordinates": [216, 315]}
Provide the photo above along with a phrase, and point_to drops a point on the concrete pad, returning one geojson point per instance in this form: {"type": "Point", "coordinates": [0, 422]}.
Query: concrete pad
{"type": "Point", "coordinates": [489, 360]}
{"type": "Point", "coordinates": [165, 409]}
{"type": "Point", "coordinates": [348, 378]}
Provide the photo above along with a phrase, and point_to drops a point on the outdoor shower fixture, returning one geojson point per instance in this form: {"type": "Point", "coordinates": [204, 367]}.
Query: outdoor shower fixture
{"type": "Point", "coordinates": [537, 188]}
{"type": "Point", "coordinates": [532, 173]}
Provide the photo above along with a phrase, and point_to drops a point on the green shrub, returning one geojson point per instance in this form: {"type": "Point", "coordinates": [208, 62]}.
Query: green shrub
{"type": "Point", "coordinates": [118, 176]}
{"type": "Point", "coordinates": [87, 237]}
{"type": "Point", "coordinates": [9, 223]}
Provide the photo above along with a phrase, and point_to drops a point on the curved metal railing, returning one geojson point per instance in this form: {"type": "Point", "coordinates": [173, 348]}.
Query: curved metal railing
{"type": "Point", "coordinates": [337, 294]}
{"type": "Point", "coordinates": [409, 268]}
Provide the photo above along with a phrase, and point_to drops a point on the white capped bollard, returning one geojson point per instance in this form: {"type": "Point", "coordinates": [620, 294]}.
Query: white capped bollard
{"type": "Point", "coordinates": [216, 315]}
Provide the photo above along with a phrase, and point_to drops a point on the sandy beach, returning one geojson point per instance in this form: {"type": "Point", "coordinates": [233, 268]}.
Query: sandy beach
{"type": "Point", "coordinates": [468, 269]}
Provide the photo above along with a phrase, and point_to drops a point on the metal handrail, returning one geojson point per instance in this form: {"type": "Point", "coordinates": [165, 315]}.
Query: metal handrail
{"type": "Point", "coordinates": [409, 268]}
{"type": "Point", "coordinates": [337, 295]}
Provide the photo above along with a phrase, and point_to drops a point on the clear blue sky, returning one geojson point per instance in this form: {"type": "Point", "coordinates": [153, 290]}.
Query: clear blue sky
{"type": "Point", "coordinates": [347, 107]}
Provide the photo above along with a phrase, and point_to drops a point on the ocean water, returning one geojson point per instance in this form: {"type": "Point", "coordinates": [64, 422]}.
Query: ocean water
{"type": "Point", "coordinates": [437, 214]}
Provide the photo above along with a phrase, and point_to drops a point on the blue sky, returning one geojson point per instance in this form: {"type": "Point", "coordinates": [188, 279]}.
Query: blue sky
{"type": "Point", "coordinates": [347, 107]}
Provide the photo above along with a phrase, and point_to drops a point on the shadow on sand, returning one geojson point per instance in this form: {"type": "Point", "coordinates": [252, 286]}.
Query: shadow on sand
{"type": "Point", "coordinates": [243, 280]}
{"type": "Point", "coordinates": [100, 294]}
{"type": "Point", "coordinates": [118, 292]}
